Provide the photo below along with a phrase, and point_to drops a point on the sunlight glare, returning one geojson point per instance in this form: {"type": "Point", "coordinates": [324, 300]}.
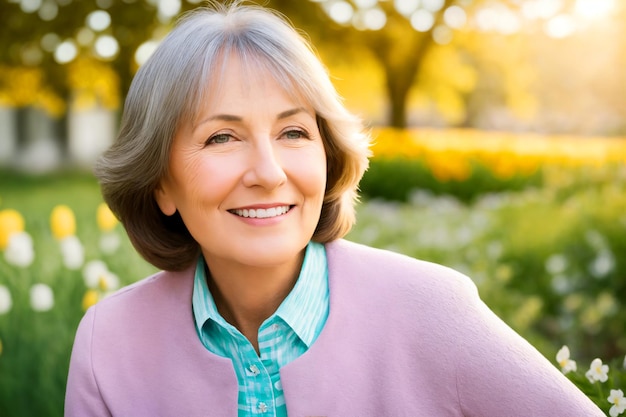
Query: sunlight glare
{"type": "Point", "coordinates": [144, 51]}
{"type": "Point", "coordinates": [499, 19]}
{"type": "Point", "coordinates": [30, 6]}
{"type": "Point", "coordinates": [106, 46]}
{"type": "Point", "coordinates": [433, 5]}
{"type": "Point", "coordinates": [65, 52]}
{"type": "Point", "coordinates": [340, 11]}
{"type": "Point", "coordinates": [422, 20]}
{"type": "Point", "coordinates": [50, 41]}
{"type": "Point", "coordinates": [48, 11]}
{"type": "Point", "coordinates": [592, 9]}
{"type": "Point", "coordinates": [442, 35]}
{"type": "Point", "coordinates": [541, 9]}
{"type": "Point", "coordinates": [85, 36]}
{"type": "Point", "coordinates": [406, 7]}
{"type": "Point", "coordinates": [98, 20]}
{"type": "Point", "coordinates": [365, 4]}
{"type": "Point", "coordinates": [560, 26]}
{"type": "Point", "coordinates": [169, 8]}
{"type": "Point", "coordinates": [374, 19]}
{"type": "Point", "coordinates": [455, 17]}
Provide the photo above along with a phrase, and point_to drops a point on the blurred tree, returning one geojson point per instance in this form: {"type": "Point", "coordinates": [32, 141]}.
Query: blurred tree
{"type": "Point", "coordinates": [405, 37]}
{"type": "Point", "coordinates": [397, 33]}
{"type": "Point", "coordinates": [401, 50]}
{"type": "Point", "coordinates": [50, 34]}
{"type": "Point", "coordinates": [464, 56]}
{"type": "Point", "coordinates": [393, 33]}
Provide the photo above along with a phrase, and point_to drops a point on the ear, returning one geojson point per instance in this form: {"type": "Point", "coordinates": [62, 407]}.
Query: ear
{"type": "Point", "coordinates": [164, 200]}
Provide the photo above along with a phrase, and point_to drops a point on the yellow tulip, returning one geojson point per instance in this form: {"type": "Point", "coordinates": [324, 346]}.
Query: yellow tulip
{"type": "Point", "coordinates": [102, 283]}
{"type": "Point", "coordinates": [90, 298]}
{"type": "Point", "coordinates": [62, 222]}
{"type": "Point", "coordinates": [11, 221]}
{"type": "Point", "coordinates": [105, 217]}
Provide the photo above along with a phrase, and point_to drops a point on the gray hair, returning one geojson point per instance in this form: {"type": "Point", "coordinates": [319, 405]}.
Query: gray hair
{"type": "Point", "coordinates": [167, 92]}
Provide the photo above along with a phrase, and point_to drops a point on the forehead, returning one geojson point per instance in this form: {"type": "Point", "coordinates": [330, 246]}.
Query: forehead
{"type": "Point", "coordinates": [246, 74]}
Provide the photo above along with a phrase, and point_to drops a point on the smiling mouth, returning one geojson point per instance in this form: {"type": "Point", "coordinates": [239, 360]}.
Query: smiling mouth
{"type": "Point", "coordinates": [261, 213]}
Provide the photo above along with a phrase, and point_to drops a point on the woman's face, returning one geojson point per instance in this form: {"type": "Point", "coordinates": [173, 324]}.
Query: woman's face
{"type": "Point", "coordinates": [248, 178]}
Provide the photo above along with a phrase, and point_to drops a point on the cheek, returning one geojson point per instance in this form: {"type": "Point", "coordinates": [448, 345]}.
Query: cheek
{"type": "Point", "coordinates": [200, 182]}
{"type": "Point", "coordinates": [311, 173]}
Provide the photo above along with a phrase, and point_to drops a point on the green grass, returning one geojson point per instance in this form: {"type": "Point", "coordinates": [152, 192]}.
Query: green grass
{"type": "Point", "coordinates": [36, 345]}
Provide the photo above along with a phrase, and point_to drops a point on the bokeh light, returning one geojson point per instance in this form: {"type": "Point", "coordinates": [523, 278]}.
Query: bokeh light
{"type": "Point", "coordinates": [65, 52]}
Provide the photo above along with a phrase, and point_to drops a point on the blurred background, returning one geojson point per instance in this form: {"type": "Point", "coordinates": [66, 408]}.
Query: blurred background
{"type": "Point", "coordinates": [549, 66]}
{"type": "Point", "coordinates": [500, 150]}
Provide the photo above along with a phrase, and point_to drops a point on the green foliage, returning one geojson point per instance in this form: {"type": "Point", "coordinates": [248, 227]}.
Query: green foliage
{"type": "Point", "coordinates": [35, 346]}
{"type": "Point", "coordinates": [599, 391]}
{"type": "Point", "coordinates": [395, 179]}
{"type": "Point", "coordinates": [549, 261]}
{"type": "Point", "coordinates": [552, 268]}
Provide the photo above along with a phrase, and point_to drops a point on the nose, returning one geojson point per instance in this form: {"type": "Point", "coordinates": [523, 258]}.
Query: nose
{"type": "Point", "coordinates": [264, 167]}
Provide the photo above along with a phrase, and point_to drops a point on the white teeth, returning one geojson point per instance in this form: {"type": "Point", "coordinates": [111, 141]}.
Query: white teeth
{"type": "Point", "coordinates": [262, 213]}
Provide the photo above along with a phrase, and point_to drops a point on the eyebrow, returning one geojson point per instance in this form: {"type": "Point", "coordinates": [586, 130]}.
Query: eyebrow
{"type": "Point", "coordinates": [233, 118]}
{"type": "Point", "coordinates": [291, 112]}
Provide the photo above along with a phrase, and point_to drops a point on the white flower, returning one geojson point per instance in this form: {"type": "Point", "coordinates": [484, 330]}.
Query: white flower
{"type": "Point", "coordinates": [109, 242]}
{"type": "Point", "coordinates": [41, 297]}
{"type": "Point", "coordinates": [97, 275]}
{"type": "Point", "coordinates": [92, 272]}
{"type": "Point", "coordinates": [73, 252]}
{"type": "Point", "coordinates": [20, 250]}
{"type": "Point", "coordinates": [110, 283]}
{"type": "Point", "coordinates": [562, 357]}
{"type": "Point", "coordinates": [619, 402]}
{"type": "Point", "coordinates": [5, 300]}
{"type": "Point", "coordinates": [603, 264]}
{"type": "Point", "coordinates": [556, 264]}
{"type": "Point", "coordinates": [597, 371]}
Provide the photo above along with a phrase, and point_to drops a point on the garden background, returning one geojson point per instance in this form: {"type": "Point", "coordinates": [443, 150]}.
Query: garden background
{"type": "Point", "coordinates": [500, 150]}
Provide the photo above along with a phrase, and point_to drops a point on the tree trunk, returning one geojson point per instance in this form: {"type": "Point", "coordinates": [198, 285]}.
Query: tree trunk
{"type": "Point", "coordinates": [401, 64]}
{"type": "Point", "coordinates": [398, 88]}
{"type": "Point", "coordinates": [401, 50]}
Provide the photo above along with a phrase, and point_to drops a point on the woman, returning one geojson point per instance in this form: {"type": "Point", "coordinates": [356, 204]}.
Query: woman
{"type": "Point", "coordinates": [235, 172]}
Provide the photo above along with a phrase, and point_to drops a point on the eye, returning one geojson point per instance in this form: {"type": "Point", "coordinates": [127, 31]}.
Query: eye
{"type": "Point", "coordinates": [218, 138]}
{"type": "Point", "coordinates": [296, 134]}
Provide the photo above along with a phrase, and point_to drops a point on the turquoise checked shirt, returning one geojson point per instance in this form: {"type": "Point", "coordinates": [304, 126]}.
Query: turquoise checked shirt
{"type": "Point", "coordinates": [283, 337]}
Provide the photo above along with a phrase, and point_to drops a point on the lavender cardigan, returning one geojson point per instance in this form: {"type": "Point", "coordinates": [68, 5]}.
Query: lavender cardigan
{"type": "Point", "coordinates": [403, 338]}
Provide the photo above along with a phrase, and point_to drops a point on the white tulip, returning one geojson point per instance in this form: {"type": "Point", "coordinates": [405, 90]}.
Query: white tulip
{"type": "Point", "coordinates": [73, 252]}
{"type": "Point", "coordinates": [41, 297]}
{"type": "Point", "coordinates": [109, 242]}
{"type": "Point", "coordinates": [20, 250]}
{"type": "Point", "coordinates": [93, 272]}
{"type": "Point", "coordinates": [5, 300]}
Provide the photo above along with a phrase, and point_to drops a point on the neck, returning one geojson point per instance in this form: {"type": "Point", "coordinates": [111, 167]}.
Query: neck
{"type": "Point", "coordinates": [246, 296]}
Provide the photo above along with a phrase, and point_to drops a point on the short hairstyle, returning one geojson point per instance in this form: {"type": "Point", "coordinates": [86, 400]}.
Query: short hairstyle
{"type": "Point", "coordinates": [168, 90]}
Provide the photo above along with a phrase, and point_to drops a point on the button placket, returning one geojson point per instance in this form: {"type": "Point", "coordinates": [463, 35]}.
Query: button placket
{"type": "Point", "coordinates": [261, 407]}
{"type": "Point", "coordinates": [253, 370]}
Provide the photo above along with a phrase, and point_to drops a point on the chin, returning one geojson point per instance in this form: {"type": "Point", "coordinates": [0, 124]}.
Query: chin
{"type": "Point", "coordinates": [272, 253]}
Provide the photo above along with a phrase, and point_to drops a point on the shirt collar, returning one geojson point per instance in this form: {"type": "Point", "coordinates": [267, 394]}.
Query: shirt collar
{"type": "Point", "coordinates": [304, 310]}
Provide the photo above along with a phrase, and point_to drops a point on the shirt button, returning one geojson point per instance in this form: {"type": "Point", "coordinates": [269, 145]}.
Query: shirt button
{"type": "Point", "coordinates": [254, 370]}
{"type": "Point", "coordinates": [262, 407]}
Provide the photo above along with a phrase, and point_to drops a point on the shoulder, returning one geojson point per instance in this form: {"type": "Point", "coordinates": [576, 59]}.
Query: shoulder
{"type": "Point", "coordinates": [148, 292]}
{"type": "Point", "coordinates": [391, 270]}
{"type": "Point", "coordinates": [129, 319]}
{"type": "Point", "coordinates": [136, 308]}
